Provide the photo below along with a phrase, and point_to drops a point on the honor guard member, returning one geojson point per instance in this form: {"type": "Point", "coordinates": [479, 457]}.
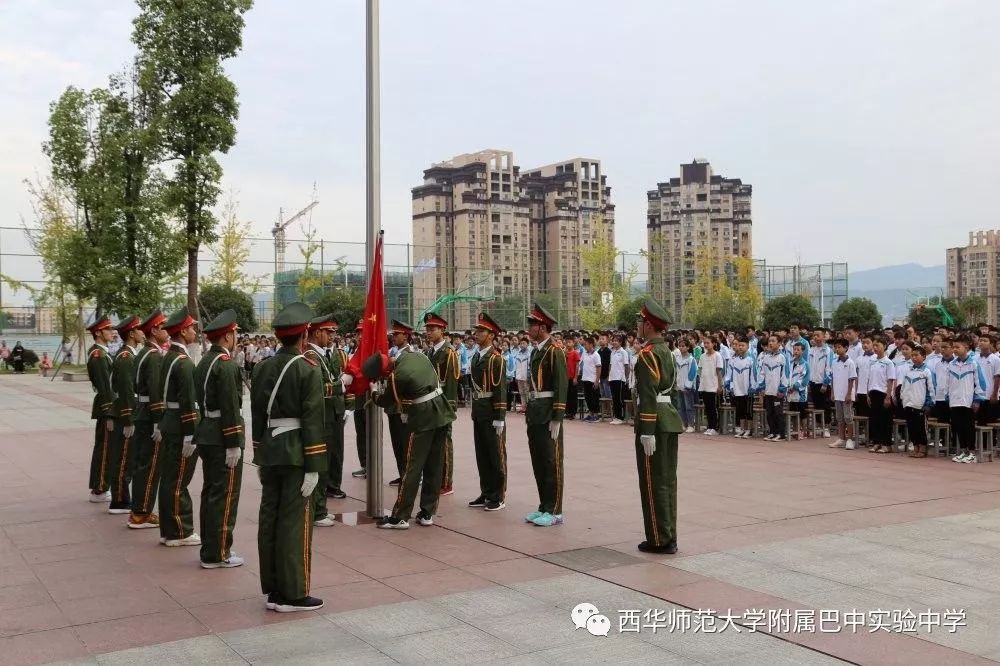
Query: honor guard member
{"type": "Point", "coordinates": [544, 417]}
{"type": "Point", "coordinates": [320, 331]}
{"type": "Point", "coordinates": [122, 452]}
{"type": "Point", "coordinates": [445, 361]}
{"type": "Point", "coordinates": [219, 438]}
{"type": "Point", "coordinates": [489, 412]}
{"type": "Point", "coordinates": [398, 433]}
{"type": "Point", "coordinates": [177, 426]}
{"type": "Point", "coordinates": [286, 404]}
{"type": "Point", "coordinates": [99, 365]}
{"type": "Point", "coordinates": [146, 471]}
{"type": "Point", "coordinates": [411, 383]}
{"type": "Point", "coordinates": [343, 405]}
{"type": "Point", "coordinates": [656, 429]}
{"type": "Point", "coordinates": [357, 406]}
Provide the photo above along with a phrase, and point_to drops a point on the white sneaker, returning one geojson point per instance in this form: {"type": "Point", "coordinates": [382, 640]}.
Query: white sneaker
{"type": "Point", "coordinates": [769, 438]}
{"type": "Point", "coordinates": [826, 432]}
{"type": "Point", "coordinates": [193, 540]}
{"type": "Point", "coordinates": [118, 512]}
{"type": "Point", "coordinates": [326, 521]}
{"type": "Point", "coordinates": [100, 497]}
{"type": "Point", "coordinates": [710, 433]}
{"type": "Point", "coordinates": [617, 422]}
{"type": "Point", "coordinates": [739, 432]}
{"type": "Point", "coordinates": [850, 446]}
{"type": "Point", "coordinates": [838, 444]}
{"type": "Point", "coordinates": [909, 447]}
{"type": "Point", "coordinates": [778, 438]}
{"type": "Point", "coordinates": [971, 458]}
{"type": "Point", "coordinates": [688, 430]}
{"type": "Point", "coordinates": [233, 561]}
{"type": "Point", "coordinates": [958, 457]}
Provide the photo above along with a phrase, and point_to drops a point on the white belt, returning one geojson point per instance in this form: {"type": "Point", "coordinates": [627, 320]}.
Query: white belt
{"type": "Point", "coordinates": [144, 398]}
{"type": "Point", "coordinates": [425, 398]}
{"type": "Point", "coordinates": [663, 398]}
{"type": "Point", "coordinates": [213, 414]}
{"type": "Point", "coordinates": [173, 405]}
{"type": "Point", "coordinates": [281, 426]}
{"type": "Point", "coordinates": [482, 394]}
{"type": "Point", "coordinates": [535, 395]}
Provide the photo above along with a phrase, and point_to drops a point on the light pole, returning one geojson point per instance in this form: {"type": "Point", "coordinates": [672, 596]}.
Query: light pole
{"type": "Point", "coordinates": [373, 414]}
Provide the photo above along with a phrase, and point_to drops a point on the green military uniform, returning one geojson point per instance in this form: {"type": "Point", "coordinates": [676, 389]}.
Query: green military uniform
{"type": "Point", "coordinates": [286, 404]}
{"type": "Point", "coordinates": [337, 361]}
{"type": "Point", "coordinates": [657, 417]}
{"type": "Point", "coordinates": [219, 388]}
{"type": "Point", "coordinates": [399, 434]}
{"type": "Point", "coordinates": [446, 363]}
{"type": "Point", "coordinates": [333, 415]}
{"type": "Point", "coordinates": [99, 364]}
{"type": "Point", "coordinates": [177, 425]}
{"type": "Point", "coordinates": [146, 472]}
{"type": "Point", "coordinates": [356, 404]}
{"type": "Point", "coordinates": [412, 384]}
{"type": "Point", "coordinates": [546, 405]}
{"type": "Point", "coordinates": [121, 452]}
{"type": "Point", "coordinates": [489, 412]}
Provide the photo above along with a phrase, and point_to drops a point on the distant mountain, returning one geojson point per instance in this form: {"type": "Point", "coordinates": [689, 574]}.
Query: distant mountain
{"type": "Point", "coordinates": [893, 288]}
{"type": "Point", "coordinates": [903, 276]}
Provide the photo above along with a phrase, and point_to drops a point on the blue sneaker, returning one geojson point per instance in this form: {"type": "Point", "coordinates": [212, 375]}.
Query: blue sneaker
{"type": "Point", "coordinates": [530, 518]}
{"type": "Point", "coordinates": [548, 520]}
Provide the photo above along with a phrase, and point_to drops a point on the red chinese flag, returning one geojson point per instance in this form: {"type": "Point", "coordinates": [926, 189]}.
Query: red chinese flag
{"type": "Point", "coordinates": [373, 326]}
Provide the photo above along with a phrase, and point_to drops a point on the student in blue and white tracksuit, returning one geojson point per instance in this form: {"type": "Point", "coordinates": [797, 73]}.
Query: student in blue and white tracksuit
{"type": "Point", "coordinates": [740, 382]}
{"type": "Point", "coordinates": [686, 379]}
{"type": "Point", "coordinates": [917, 396]}
{"type": "Point", "coordinates": [773, 370]}
{"type": "Point", "coordinates": [798, 385]}
{"type": "Point", "coordinates": [821, 377]}
{"type": "Point", "coordinates": [941, 375]}
{"type": "Point", "coordinates": [967, 385]}
{"type": "Point", "coordinates": [794, 335]}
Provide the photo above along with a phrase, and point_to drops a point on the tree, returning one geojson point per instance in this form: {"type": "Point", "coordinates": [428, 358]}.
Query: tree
{"type": "Point", "coordinates": [182, 47]}
{"type": "Point", "coordinates": [724, 294]}
{"type": "Point", "coordinates": [974, 307]}
{"type": "Point", "coordinates": [783, 311]}
{"type": "Point", "coordinates": [859, 312]}
{"type": "Point", "coordinates": [310, 281]}
{"type": "Point", "coordinates": [626, 312]}
{"type": "Point", "coordinates": [346, 304]}
{"type": "Point", "coordinates": [925, 317]}
{"type": "Point", "coordinates": [598, 261]}
{"type": "Point", "coordinates": [510, 312]}
{"type": "Point", "coordinates": [217, 298]}
{"type": "Point", "coordinates": [231, 250]}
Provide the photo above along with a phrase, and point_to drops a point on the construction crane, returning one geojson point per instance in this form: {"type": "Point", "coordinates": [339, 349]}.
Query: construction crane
{"type": "Point", "coordinates": [278, 231]}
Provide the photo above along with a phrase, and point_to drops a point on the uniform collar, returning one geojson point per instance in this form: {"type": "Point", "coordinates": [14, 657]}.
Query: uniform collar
{"type": "Point", "coordinates": [180, 346]}
{"type": "Point", "coordinates": [132, 349]}
{"type": "Point", "coordinates": [319, 350]}
{"type": "Point", "coordinates": [541, 345]}
{"type": "Point", "coordinates": [218, 348]}
{"type": "Point", "coordinates": [482, 352]}
{"type": "Point", "coordinates": [438, 346]}
{"type": "Point", "coordinates": [104, 347]}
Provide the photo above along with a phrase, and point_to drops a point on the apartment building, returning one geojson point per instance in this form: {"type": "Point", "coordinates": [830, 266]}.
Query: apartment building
{"type": "Point", "coordinates": [975, 269]}
{"type": "Point", "coordinates": [687, 216]}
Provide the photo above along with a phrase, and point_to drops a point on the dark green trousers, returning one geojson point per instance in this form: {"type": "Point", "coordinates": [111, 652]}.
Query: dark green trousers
{"type": "Point", "coordinates": [423, 459]}
{"type": "Point", "coordinates": [491, 459]}
{"type": "Point", "coordinates": [121, 454]}
{"type": "Point", "coordinates": [176, 513]}
{"type": "Point", "coordinates": [146, 469]}
{"type": "Point", "coordinates": [284, 533]}
{"type": "Point", "coordinates": [658, 489]}
{"type": "Point", "coordinates": [361, 435]}
{"type": "Point", "coordinates": [100, 476]}
{"type": "Point", "coordinates": [399, 436]}
{"type": "Point", "coordinates": [335, 454]}
{"type": "Point", "coordinates": [448, 462]}
{"type": "Point", "coordinates": [220, 497]}
{"type": "Point", "coordinates": [547, 464]}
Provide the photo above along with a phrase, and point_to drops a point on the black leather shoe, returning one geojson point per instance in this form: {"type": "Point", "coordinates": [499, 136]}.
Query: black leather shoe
{"type": "Point", "coordinates": [303, 604]}
{"type": "Point", "coordinates": [668, 548]}
{"type": "Point", "coordinates": [395, 482]}
{"type": "Point", "coordinates": [335, 493]}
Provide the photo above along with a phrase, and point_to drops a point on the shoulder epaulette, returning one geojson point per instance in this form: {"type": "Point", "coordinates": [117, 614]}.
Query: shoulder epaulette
{"type": "Point", "coordinates": [96, 353]}
{"type": "Point", "coordinates": [225, 357]}
{"type": "Point", "coordinates": [310, 361]}
{"type": "Point", "coordinates": [125, 354]}
{"type": "Point", "coordinates": [181, 355]}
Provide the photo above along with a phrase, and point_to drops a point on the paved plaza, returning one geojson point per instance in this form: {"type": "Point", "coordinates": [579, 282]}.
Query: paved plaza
{"type": "Point", "coordinates": [772, 537]}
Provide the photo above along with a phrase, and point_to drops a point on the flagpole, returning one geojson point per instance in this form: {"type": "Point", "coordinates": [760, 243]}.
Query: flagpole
{"type": "Point", "coordinates": [373, 414]}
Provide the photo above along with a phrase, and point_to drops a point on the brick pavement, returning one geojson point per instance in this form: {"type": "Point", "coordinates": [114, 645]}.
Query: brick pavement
{"type": "Point", "coordinates": [764, 525]}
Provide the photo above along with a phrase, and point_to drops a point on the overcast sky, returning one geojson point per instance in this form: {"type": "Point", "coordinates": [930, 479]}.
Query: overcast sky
{"type": "Point", "coordinates": [869, 130]}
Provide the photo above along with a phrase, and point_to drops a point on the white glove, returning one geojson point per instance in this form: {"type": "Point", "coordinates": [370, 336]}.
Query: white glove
{"type": "Point", "coordinates": [648, 444]}
{"type": "Point", "coordinates": [346, 379]}
{"type": "Point", "coordinates": [188, 447]}
{"type": "Point", "coordinates": [128, 431]}
{"type": "Point", "coordinates": [109, 425]}
{"type": "Point", "coordinates": [498, 426]}
{"type": "Point", "coordinates": [309, 482]}
{"type": "Point", "coordinates": [233, 455]}
{"type": "Point", "coordinates": [554, 428]}
{"type": "Point", "coordinates": [157, 435]}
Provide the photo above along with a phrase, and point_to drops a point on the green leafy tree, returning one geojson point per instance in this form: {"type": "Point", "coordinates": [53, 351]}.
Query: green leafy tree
{"type": "Point", "coordinates": [724, 294]}
{"type": "Point", "coordinates": [860, 312]}
{"type": "Point", "coordinates": [182, 48]}
{"type": "Point", "coordinates": [927, 316]}
{"type": "Point", "coordinates": [625, 314]}
{"type": "Point", "coordinates": [231, 251]}
{"type": "Point", "coordinates": [346, 304]}
{"type": "Point", "coordinates": [783, 311]}
{"type": "Point", "coordinates": [598, 262]}
{"type": "Point", "coordinates": [974, 308]}
{"type": "Point", "coordinates": [510, 311]}
{"type": "Point", "coordinates": [217, 298]}
{"type": "Point", "coordinates": [310, 281]}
